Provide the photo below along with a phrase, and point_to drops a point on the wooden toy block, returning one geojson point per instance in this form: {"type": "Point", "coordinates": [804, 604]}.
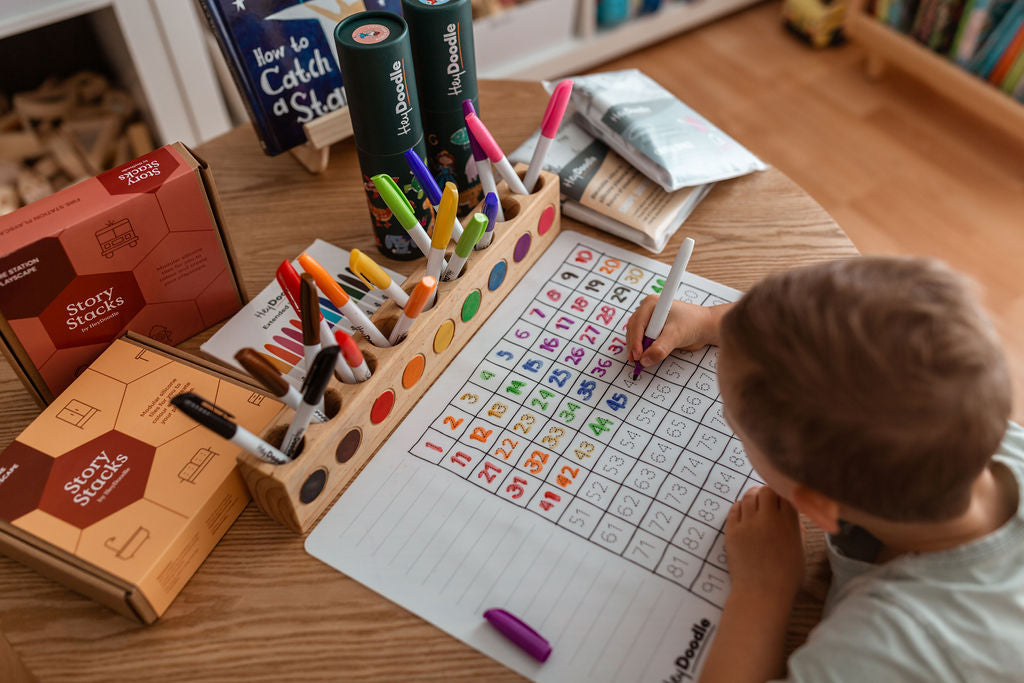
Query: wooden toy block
{"type": "Point", "coordinates": [365, 414]}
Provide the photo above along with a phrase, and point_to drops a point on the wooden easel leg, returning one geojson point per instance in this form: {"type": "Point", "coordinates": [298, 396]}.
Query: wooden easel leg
{"type": "Point", "coordinates": [313, 159]}
{"type": "Point", "coordinates": [874, 66]}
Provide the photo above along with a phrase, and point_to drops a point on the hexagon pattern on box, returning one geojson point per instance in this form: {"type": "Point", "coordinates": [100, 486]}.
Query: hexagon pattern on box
{"type": "Point", "coordinates": [136, 248]}
{"type": "Point", "coordinates": [115, 475]}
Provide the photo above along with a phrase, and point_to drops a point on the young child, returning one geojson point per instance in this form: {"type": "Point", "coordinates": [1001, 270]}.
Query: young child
{"type": "Point", "coordinates": [872, 396]}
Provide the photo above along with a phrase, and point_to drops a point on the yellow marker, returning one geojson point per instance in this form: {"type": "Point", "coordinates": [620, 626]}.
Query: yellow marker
{"type": "Point", "coordinates": [442, 233]}
{"type": "Point", "coordinates": [367, 270]}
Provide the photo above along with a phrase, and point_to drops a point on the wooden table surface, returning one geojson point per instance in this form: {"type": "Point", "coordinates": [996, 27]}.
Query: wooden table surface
{"type": "Point", "coordinates": [260, 608]}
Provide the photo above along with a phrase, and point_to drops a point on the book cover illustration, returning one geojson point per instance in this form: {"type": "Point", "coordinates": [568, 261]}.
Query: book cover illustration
{"type": "Point", "coordinates": [282, 56]}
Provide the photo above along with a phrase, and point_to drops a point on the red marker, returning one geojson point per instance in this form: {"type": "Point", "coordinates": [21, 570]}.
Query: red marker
{"type": "Point", "coordinates": [494, 153]}
{"type": "Point", "coordinates": [353, 356]}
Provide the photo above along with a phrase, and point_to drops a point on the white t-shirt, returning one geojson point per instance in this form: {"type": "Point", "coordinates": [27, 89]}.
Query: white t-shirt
{"type": "Point", "coordinates": [953, 615]}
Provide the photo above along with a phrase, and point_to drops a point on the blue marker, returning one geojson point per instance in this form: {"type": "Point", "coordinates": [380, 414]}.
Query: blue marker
{"type": "Point", "coordinates": [491, 211]}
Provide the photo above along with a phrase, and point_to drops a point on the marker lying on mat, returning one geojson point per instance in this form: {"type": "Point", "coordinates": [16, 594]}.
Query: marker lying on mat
{"type": "Point", "coordinates": [548, 130]}
{"type": "Point", "coordinates": [402, 209]}
{"type": "Point", "coordinates": [494, 153]}
{"type": "Point", "coordinates": [668, 294]}
{"type": "Point", "coordinates": [367, 270]}
{"type": "Point", "coordinates": [483, 166]}
{"type": "Point", "coordinates": [291, 285]}
{"type": "Point", "coordinates": [353, 356]}
{"type": "Point", "coordinates": [423, 175]}
{"type": "Point", "coordinates": [260, 368]}
{"type": "Point", "coordinates": [491, 205]}
{"type": "Point", "coordinates": [309, 314]}
{"type": "Point", "coordinates": [474, 229]}
{"type": "Point", "coordinates": [516, 630]}
{"type": "Point", "coordinates": [417, 300]}
{"type": "Point", "coordinates": [340, 298]}
{"type": "Point", "coordinates": [442, 233]}
{"type": "Point", "coordinates": [218, 421]}
{"type": "Point", "coordinates": [312, 394]}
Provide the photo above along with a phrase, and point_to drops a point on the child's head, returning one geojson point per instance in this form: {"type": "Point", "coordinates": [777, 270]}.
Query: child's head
{"type": "Point", "coordinates": [877, 382]}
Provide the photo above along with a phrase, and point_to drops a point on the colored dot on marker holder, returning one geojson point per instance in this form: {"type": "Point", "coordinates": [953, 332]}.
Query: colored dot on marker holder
{"type": "Point", "coordinates": [382, 407]}
{"type": "Point", "coordinates": [413, 371]}
{"type": "Point", "coordinates": [497, 275]}
{"type": "Point", "coordinates": [522, 248]}
{"type": "Point", "coordinates": [471, 305]}
{"type": "Point", "coordinates": [313, 485]}
{"type": "Point", "coordinates": [444, 336]}
{"type": "Point", "coordinates": [348, 446]}
{"type": "Point", "coordinates": [547, 217]}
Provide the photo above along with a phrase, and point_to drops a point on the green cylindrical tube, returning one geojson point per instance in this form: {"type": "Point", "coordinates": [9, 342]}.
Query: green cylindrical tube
{"type": "Point", "coordinates": [376, 66]}
{"type": "Point", "coordinates": [441, 32]}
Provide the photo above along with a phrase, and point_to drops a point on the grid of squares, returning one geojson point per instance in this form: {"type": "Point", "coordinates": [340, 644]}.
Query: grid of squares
{"type": "Point", "coordinates": [552, 420]}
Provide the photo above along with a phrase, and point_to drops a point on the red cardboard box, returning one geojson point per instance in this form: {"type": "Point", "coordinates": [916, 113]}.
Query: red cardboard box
{"type": "Point", "coordinates": [138, 248]}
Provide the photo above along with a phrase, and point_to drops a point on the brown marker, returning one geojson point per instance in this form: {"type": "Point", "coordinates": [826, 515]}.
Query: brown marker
{"type": "Point", "coordinates": [309, 313]}
{"type": "Point", "coordinates": [260, 368]}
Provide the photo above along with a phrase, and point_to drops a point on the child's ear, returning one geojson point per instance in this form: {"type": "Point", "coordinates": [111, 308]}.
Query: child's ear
{"type": "Point", "coordinates": [818, 507]}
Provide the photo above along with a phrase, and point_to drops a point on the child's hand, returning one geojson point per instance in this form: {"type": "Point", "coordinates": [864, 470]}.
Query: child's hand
{"type": "Point", "coordinates": [688, 327]}
{"type": "Point", "coordinates": [764, 546]}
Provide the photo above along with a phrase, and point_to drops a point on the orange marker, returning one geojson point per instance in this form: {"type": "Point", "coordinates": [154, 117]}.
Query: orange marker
{"type": "Point", "coordinates": [340, 298]}
{"type": "Point", "coordinates": [353, 356]}
{"type": "Point", "coordinates": [417, 300]}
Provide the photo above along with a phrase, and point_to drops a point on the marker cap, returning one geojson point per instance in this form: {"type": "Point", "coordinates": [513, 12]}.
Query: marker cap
{"type": "Point", "coordinates": [471, 235]}
{"type": "Point", "coordinates": [478, 151]}
{"type": "Point", "coordinates": [420, 296]}
{"type": "Point", "coordinates": [290, 283]}
{"type": "Point", "coordinates": [423, 175]}
{"type": "Point", "coordinates": [260, 368]}
{"type": "Point", "coordinates": [367, 270]}
{"type": "Point", "coordinates": [516, 630]}
{"type": "Point", "coordinates": [491, 210]}
{"type": "Point", "coordinates": [331, 289]}
{"type": "Point", "coordinates": [556, 109]}
{"type": "Point", "coordinates": [396, 201]}
{"type": "Point", "coordinates": [484, 138]}
{"type": "Point", "coordinates": [445, 217]}
{"type": "Point", "coordinates": [319, 376]}
{"type": "Point", "coordinates": [349, 348]}
{"type": "Point", "coordinates": [310, 310]}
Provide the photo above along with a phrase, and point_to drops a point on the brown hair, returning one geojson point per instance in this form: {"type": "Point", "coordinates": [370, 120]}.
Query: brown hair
{"type": "Point", "coordinates": [876, 381]}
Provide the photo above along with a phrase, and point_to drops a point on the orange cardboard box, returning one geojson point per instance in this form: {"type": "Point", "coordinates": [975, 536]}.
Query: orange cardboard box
{"type": "Point", "coordinates": [140, 248]}
{"type": "Point", "coordinates": [114, 492]}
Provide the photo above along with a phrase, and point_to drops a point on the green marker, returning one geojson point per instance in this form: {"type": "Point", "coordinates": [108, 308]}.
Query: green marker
{"type": "Point", "coordinates": [388, 190]}
{"type": "Point", "coordinates": [464, 247]}
{"type": "Point", "coordinates": [441, 34]}
{"type": "Point", "coordinates": [375, 56]}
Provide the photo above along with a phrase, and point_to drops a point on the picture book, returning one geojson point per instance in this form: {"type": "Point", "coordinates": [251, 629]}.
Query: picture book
{"type": "Point", "coordinates": [282, 56]}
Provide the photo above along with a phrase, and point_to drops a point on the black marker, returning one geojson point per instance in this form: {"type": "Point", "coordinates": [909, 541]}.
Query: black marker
{"type": "Point", "coordinates": [217, 420]}
{"type": "Point", "coordinates": [313, 389]}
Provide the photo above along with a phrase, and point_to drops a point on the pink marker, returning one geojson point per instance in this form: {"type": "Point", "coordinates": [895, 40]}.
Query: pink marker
{"type": "Point", "coordinates": [494, 153]}
{"type": "Point", "coordinates": [483, 166]}
{"type": "Point", "coordinates": [548, 130]}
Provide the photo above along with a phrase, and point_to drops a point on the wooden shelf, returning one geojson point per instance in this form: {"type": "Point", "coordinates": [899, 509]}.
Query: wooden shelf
{"type": "Point", "coordinates": [602, 45]}
{"type": "Point", "coordinates": [886, 45]}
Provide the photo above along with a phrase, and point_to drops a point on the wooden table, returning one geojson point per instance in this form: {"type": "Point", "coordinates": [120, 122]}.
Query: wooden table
{"type": "Point", "coordinates": [260, 608]}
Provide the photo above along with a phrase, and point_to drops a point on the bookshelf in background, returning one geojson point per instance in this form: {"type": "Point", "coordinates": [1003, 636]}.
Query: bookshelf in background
{"type": "Point", "coordinates": [943, 44]}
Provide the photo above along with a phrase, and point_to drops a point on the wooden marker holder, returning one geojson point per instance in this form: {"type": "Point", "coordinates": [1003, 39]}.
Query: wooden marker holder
{"type": "Point", "coordinates": [334, 452]}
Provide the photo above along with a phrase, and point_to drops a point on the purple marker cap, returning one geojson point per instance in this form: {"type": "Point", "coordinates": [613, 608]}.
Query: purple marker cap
{"type": "Point", "coordinates": [637, 367]}
{"type": "Point", "coordinates": [519, 633]}
{"type": "Point", "coordinates": [490, 210]}
{"type": "Point", "coordinates": [478, 152]}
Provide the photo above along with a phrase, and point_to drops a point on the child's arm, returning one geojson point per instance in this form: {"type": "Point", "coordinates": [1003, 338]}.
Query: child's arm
{"type": "Point", "coordinates": [688, 327]}
{"type": "Point", "coordinates": [766, 564]}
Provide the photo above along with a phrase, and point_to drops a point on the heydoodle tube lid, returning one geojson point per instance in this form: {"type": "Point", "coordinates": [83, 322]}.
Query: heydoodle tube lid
{"type": "Point", "coordinates": [444, 52]}
{"type": "Point", "coordinates": [377, 70]}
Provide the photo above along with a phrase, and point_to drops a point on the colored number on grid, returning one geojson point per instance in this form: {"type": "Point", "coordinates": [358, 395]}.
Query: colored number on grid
{"type": "Point", "coordinates": [569, 414]}
{"type": "Point", "coordinates": [489, 472]}
{"type": "Point", "coordinates": [584, 256]}
{"type": "Point", "coordinates": [575, 355]}
{"type": "Point", "coordinates": [584, 450]}
{"type": "Point", "coordinates": [586, 389]}
{"type": "Point", "coordinates": [515, 387]}
{"type": "Point", "coordinates": [567, 476]}
{"type": "Point", "coordinates": [601, 425]}
{"type": "Point", "coordinates": [516, 487]}
{"type": "Point", "coordinates": [480, 434]}
{"type": "Point", "coordinates": [535, 463]}
{"type": "Point", "coordinates": [553, 436]}
{"type": "Point", "coordinates": [559, 377]}
{"type": "Point", "coordinates": [461, 458]}
{"type": "Point", "coordinates": [610, 266]}
{"type": "Point", "coordinates": [452, 422]}
{"type": "Point", "coordinates": [548, 504]}
{"type": "Point", "coordinates": [617, 401]}
{"type": "Point", "coordinates": [469, 398]}
{"type": "Point", "coordinates": [525, 423]}
{"type": "Point", "coordinates": [507, 448]}
{"type": "Point", "coordinates": [497, 410]}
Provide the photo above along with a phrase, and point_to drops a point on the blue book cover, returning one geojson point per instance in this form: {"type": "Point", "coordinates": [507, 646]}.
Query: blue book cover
{"type": "Point", "coordinates": [284, 61]}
